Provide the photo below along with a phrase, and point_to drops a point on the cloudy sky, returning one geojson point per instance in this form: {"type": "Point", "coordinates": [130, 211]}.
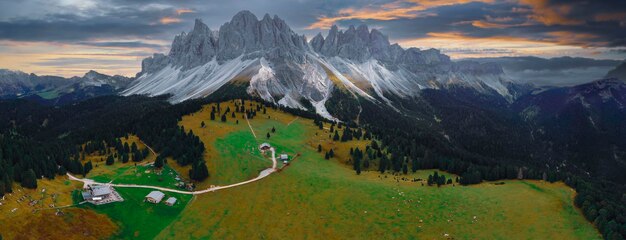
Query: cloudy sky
{"type": "Point", "coordinates": [70, 37]}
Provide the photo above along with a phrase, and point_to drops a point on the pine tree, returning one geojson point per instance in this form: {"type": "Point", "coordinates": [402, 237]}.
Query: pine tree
{"type": "Point", "coordinates": [110, 160]}
{"type": "Point", "coordinates": [8, 187]}
{"type": "Point", "coordinates": [223, 118]}
{"type": "Point", "coordinates": [414, 165]}
{"type": "Point", "coordinates": [326, 156]}
{"type": "Point", "coordinates": [2, 188]}
{"type": "Point", "coordinates": [29, 179]}
{"type": "Point", "coordinates": [331, 153]}
{"type": "Point", "coordinates": [88, 166]}
{"type": "Point", "coordinates": [202, 124]}
{"type": "Point", "coordinates": [273, 130]}
{"type": "Point", "coordinates": [158, 163]}
{"type": "Point", "coordinates": [268, 135]}
{"type": "Point", "coordinates": [319, 148]}
{"type": "Point", "coordinates": [199, 171]}
{"type": "Point", "coordinates": [336, 137]}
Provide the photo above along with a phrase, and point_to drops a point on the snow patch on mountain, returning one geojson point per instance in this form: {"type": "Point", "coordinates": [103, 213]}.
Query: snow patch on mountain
{"type": "Point", "coordinates": [193, 83]}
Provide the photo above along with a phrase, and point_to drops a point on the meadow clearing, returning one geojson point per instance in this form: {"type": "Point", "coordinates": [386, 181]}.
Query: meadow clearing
{"type": "Point", "coordinates": [316, 198]}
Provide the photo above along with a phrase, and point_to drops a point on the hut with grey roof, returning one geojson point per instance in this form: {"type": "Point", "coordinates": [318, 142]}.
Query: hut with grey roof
{"type": "Point", "coordinates": [170, 201]}
{"type": "Point", "coordinates": [155, 197]}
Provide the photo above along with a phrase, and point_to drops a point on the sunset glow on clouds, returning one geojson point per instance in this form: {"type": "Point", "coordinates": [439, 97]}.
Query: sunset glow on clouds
{"type": "Point", "coordinates": [70, 37]}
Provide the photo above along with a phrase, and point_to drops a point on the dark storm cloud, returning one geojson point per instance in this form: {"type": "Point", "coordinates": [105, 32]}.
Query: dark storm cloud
{"type": "Point", "coordinates": [561, 71]}
{"type": "Point", "coordinates": [124, 22]}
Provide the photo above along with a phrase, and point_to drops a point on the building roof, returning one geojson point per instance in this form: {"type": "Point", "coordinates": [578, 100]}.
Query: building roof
{"type": "Point", "coordinates": [97, 190]}
{"type": "Point", "coordinates": [284, 156]}
{"type": "Point", "coordinates": [264, 145]}
{"type": "Point", "coordinates": [156, 195]}
{"type": "Point", "coordinates": [86, 195]}
{"type": "Point", "coordinates": [171, 200]}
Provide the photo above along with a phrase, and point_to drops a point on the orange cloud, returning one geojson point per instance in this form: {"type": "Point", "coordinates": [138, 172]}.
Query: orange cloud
{"type": "Point", "coordinates": [577, 39]}
{"type": "Point", "coordinates": [455, 44]}
{"type": "Point", "coordinates": [616, 16]}
{"type": "Point", "coordinates": [184, 10]}
{"type": "Point", "coordinates": [390, 11]}
{"type": "Point", "coordinates": [168, 20]}
{"type": "Point", "coordinates": [497, 22]}
{"type": "Point", "coordinates": [550, 14]}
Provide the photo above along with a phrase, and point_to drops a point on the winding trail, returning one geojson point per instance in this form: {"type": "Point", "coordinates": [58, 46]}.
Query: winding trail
{"type": "Point", "coordinates": [262, 175]}
{"type": "Point", "coordinates": [292, 121]}
{"type": "Point", "coordinates": [246, 116]}
{"type": "Point", "coordinates": [149, 148]}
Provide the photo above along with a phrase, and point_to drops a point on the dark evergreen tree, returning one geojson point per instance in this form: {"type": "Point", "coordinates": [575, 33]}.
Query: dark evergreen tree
{"type": "Point", "coordinates": [29, 179]}
{"type": "Point", "coordinates": [199, 171]}
{"type": "Point", "coordinates": [2, 188]}
{"type": "Point", "coordinates": [110, 160]}
{"type": "Point", "coordinates": [88, 166]}
{"type": "Point", "coordinates": [159, 162]}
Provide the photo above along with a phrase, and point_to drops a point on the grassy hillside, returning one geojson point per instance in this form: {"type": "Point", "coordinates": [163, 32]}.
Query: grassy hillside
{"type": "Point", "coordinates": [313, 197]}
{"type": "Point", "coordinates": [21, 220]}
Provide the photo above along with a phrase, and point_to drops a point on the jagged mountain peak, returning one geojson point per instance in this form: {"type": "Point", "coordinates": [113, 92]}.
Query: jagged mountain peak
{"type": "Point", "coordinates": [282, 66]}
{"type": "Point", "coordinates": [200, 27]}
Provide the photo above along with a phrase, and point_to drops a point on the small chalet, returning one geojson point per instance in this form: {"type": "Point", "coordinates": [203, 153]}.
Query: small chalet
{"type": "Point", "coordinates": [170, 201]}
{"type": "Point", "coordinates": [155, 197]}
{"type": "Point", "coordinates": [96, 193]}
{"type": "Point", "coordinates": [265, 146]}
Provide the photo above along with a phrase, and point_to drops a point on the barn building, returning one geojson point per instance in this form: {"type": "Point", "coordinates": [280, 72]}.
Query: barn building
{"type": "Point", "coordinates": [170, 201]}
{"type": "Point", "coordinates": [96, 193]}
{"type": "Point", "coordinates": [155, 197]}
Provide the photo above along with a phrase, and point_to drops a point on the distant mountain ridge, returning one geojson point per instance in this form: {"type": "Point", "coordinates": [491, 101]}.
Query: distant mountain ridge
{"type": "Point", "coordinates": [618, 72]}
{"type": "Point", "coordinates": [58, 90]}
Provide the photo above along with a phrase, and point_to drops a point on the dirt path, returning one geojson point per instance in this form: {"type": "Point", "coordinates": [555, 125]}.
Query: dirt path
{"type": "Point", "coordinates": [292, 121]}
{"type": "Point", "coordinates": [262, 175]}
{"type": "Point", "coordinates": [149, 148]}
{"type": "Point", "coordinates": [252, 130]}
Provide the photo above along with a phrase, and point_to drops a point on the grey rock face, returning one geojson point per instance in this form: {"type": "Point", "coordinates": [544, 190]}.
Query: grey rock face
{"type": "Point", "coordinates": [154, 63]}
{"type": "Point", "coordinates": [283, 67]}
{"type": "Point", "coordinates": [194, 49]}
{"type": "Point", "coordinates": [245, 35]}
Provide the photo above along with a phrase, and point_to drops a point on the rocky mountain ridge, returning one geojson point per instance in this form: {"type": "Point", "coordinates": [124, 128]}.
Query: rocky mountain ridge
{"type": "Point", "coordinates": [281, 66]}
